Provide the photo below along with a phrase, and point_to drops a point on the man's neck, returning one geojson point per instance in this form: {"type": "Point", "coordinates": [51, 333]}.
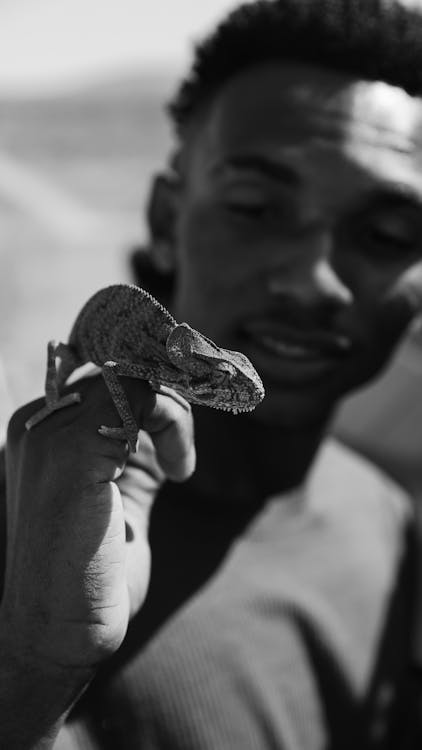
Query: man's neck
{"type": "Point", "coordinates": [242, 461]}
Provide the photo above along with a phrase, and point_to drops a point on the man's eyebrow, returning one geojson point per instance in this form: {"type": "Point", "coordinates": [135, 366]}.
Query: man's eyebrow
{"type": "Point", "coordinates": [275, 170]}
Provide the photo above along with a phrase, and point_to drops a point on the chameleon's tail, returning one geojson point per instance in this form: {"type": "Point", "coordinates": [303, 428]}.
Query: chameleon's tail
{"type": "Point", "coordinates": [55, 379]}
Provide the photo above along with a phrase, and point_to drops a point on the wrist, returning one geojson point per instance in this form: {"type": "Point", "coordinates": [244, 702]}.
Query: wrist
{"type": "Point", "coordinates": [35, 696]}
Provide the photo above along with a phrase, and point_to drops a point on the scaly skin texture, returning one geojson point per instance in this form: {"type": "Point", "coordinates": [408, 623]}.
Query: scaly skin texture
{"type": "Point", "coordinates": [126, 332]}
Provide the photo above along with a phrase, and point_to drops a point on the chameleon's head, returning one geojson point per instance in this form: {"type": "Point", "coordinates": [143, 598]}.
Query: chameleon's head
{"type": "Point", "coordinates": [212, 376]}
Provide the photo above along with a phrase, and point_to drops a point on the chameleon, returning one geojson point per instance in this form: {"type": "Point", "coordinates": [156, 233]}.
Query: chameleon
{"type": "Point", "coordinates": [125, 331]}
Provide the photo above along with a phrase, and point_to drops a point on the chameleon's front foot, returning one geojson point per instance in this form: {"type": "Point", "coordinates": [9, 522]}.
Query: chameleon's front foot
{"type": "Point", "coordinates": [39, 416]}
{"type": "Point", "coordinates": [121, 433]}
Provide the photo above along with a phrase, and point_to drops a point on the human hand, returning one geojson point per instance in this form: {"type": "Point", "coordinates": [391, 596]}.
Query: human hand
{"type": "Point", "coordinates": [78, 505]}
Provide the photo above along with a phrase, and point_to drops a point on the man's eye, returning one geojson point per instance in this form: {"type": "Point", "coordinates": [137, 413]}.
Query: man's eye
{"type": "Point", "coordinates": [249, 209]}
{"type": "Point", "coordinates": [392, 233]}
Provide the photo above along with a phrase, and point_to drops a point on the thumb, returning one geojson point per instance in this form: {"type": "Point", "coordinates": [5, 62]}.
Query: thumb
{"type": "Point", "coordinates": [167, 418]}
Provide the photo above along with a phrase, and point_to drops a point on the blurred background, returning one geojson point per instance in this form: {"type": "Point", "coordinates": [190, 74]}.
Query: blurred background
{"type": "Point", "coordinates": [83, 85]}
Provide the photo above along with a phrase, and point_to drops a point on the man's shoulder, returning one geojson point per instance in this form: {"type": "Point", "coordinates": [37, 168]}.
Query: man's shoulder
{"type": "Point", "coordinates": [344, 477]}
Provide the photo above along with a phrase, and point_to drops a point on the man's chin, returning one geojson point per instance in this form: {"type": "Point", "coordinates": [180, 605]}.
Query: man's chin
{"type": "Point", "coordinates": [297, 406]}
{"type": "Point", "coordinates": [295, 412]}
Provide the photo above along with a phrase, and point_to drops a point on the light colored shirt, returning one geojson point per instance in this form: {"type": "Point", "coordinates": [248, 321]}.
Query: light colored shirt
{"type": "Point", "coordinates": [283, 628]}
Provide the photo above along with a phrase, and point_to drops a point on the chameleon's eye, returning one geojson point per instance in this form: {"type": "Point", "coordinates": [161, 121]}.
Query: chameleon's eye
{"type": "Point", "coordinates": [179, 346]}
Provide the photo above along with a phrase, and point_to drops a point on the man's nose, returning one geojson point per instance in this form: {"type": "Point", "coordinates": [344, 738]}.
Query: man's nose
{"type": "Point", "coordinates": [308, 273]}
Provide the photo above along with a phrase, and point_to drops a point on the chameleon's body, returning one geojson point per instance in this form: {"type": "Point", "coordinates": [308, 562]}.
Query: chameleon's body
{"type": "Point", "coordinates": [125, 331]}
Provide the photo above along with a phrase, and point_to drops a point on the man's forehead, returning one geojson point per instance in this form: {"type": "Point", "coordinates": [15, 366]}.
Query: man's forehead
{"type": "Point", "coordinates": [385, 111]}
{"type": "Point", "coordinates": [294, 103]}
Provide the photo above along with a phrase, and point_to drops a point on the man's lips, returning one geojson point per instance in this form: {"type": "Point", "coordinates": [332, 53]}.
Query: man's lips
{"type": "Point", "coordinates": [297, 344]}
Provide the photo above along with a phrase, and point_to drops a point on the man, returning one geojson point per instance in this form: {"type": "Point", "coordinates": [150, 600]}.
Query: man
{"type": "Point", "coordinates": [280, 607]}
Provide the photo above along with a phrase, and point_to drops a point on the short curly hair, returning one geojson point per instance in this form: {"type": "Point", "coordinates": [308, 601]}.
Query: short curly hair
{"type": "Point", "coordinates": [373, 39]}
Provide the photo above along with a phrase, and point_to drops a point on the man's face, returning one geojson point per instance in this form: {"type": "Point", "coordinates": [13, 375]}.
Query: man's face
{"type": "Point", "coordinates": [299, 233]}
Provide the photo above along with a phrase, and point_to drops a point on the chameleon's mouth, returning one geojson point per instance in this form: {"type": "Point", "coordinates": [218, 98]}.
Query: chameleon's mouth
{"type": "Point", "coordinates": [225, 398]}
{"type": "Point", "coordinates": [203, 389]}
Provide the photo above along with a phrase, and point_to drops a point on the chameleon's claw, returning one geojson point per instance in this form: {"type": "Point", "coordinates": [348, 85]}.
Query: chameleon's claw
{"type": "Point", "coordinates": [39, 416]}
{"type": "Point", "coordinates": [120, 433]}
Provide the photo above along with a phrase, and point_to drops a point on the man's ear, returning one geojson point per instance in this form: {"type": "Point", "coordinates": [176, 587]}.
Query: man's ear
{"type": "Point", "coordinates": [162, 216]}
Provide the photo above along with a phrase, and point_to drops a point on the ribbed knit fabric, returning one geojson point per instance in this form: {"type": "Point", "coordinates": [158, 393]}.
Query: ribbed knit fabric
{"type": "Point", "coordinates": [287, 630]}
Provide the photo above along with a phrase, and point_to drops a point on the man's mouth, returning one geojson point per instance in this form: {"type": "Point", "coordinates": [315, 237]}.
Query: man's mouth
{"type": "Point", "coordinates": [281, 351]}
{"type": "Point", "coordinates": [285, 349]}
{"type": "Point", "coordinates": [288, 342]}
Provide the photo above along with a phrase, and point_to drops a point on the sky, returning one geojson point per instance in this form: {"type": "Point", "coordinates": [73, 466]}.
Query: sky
{"type": "Point", "coordinates": [57, 44]}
